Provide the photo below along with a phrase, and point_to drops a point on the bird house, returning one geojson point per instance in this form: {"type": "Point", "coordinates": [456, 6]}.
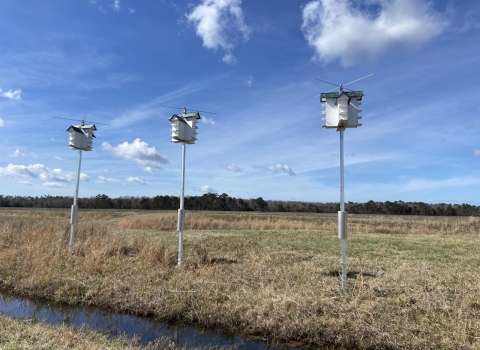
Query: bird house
{"type": "Point", "coordinates": [81, 137]}
{"type": "Point", "coordinates": [184, 127]}
{"type": "Point", "coordinates": [341, 109]}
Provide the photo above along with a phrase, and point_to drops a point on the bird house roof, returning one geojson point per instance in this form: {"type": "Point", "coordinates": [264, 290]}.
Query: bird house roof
{"type": "Point", "coordinates": [195, 115]}
{"type": "Point", "coordinates": [78, 128]}
{"type": "Point", "coordinates": [336, 95]}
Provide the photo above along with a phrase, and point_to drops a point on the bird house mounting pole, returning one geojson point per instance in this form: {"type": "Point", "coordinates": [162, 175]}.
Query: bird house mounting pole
{"type": "Point", "coordinates": [74, 211]}
{"type": "Point", "coordinates": [341, 109]}
{"type": "Point", "coordinates": [181, 211]}
{"type": "Point", "coordinates": [184, 131]}
{"type": "Point", "coordinates": [342, 216]}
{"type": "Point", "coordinates": [81, 138]}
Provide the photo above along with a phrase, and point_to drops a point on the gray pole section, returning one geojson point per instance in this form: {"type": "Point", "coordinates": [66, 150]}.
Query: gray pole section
{"type": "Point", "coordinates": [181, 211]}
{"type": "Point", "coordinates": [74, 211]}
{"type": "Point", "coordinates": [342, 217]}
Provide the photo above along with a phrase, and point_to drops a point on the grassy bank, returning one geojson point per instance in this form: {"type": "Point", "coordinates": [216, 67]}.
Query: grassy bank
{"type": "Point", "coordinates": [25, 335]}
{"type": "Point", "coordinates": [414, 282]}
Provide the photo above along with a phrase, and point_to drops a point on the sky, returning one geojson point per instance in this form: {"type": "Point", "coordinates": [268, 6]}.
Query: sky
{"type": "Point", "coordinates": [254, 64]}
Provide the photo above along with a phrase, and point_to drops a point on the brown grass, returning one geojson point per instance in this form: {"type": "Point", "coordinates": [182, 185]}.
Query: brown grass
{"type": "Point", "coordinates": [25, 335]}
{"type": "Point", "coordinates": [323, 222]}
{"type": "Point", "coordinates": [414, 282]}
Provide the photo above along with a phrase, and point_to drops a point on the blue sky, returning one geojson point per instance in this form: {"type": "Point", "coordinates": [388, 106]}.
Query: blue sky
{"type": "Point", "coordinates": [254, 63]}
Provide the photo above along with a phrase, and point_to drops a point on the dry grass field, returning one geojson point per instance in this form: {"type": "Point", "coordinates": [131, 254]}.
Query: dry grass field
{"type": "Point", "coordinates": [24, 335]}
{"type": "Point", "coordinates": [414, 282]}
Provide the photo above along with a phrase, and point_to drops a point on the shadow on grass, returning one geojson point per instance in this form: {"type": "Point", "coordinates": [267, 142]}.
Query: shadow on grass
{"type": "Point", "coordinates": [222, 261]}
{"type": "Point", "coordinates": [350, 274]}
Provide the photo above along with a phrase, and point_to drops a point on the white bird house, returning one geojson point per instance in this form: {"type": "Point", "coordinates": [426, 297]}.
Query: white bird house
{"type": "Point", "coordinates": [184, 127]}
{"type": "Point", "coordinates": [81, 137]}
{"type": "Point", "coordinates": [341, 109]}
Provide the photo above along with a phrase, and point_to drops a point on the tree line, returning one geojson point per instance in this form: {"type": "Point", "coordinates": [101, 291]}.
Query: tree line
{"type": "Point", "coordinates": [223, 202]}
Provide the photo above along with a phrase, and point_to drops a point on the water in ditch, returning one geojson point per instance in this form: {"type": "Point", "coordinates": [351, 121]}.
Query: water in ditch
{"type": "Point", "coordinates": [145, 329]}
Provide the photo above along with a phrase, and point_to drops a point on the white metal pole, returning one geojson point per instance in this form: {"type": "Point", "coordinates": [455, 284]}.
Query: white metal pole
{"type": "Point", "coordinates": [181, 211]}
{"type": "Point", "coordinates": [343, 216]}
{"type": "Point", "coordinates": [74, 211]}
{"type": "Point", "coordinates": [342, 197]}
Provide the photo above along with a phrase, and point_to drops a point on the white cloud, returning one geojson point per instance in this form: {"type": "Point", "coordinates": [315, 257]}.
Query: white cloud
{"type": "Point", "coordinates": [13, 171]}
{"type": "Point", "coordinates": [277, 169]}
{"type": "Point", "coordinates": [149, 169]}
{"type": "Point", "coordinates": [340, 29]}
{"type": "Point", "coordinates": [136, 179]}
{"type": "Point", "coordinates": [250, 81]}
{"type": "Point", "coordinates": [231, 167]}
{"type": "Point", "coordinates": [229, 58]}
{"type": "Point", "coordinates": [12, 95]}
{"type": "Point", "coordinates": [1, 122]}
{"type": "Point", "coordinates": [209, 121]}
{"type": "Point", "coordinates": [105, 180]}
{"type": "Point", "coordinates": [17, 153]}
{"type": "Point", "coordinates": [131, 10]}
{"type": "Point", "coordinates": [217, 22]}
{"type": "Point", "coordinates": [54, 184]}
{"type": "Point", "coordinates": [476, 152]}
{"type": "Point", "coordinates": [58, 158]}
{"type": "Point", "coordinates": [55, 174]}
{"type": "Point", "coordinates": [116, 5]}
{"type": "Point", "coordinates": [207, 189]}
{"type": "Point", "coordinates": [41, 172]}
{"type": "Point", "coordinates": [139, 152]}
{"type": "Point", "coordinates": [26, 183]}
{"type": "Point", "coordinates": [84, 177]}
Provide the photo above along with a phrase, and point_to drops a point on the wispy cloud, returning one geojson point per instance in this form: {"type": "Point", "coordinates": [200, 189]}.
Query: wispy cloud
{"type": "Point", "coordinates": [86, 69]}
{"type": "Point", "coordinates": [112, 4]}
{"type": "Point", "coordinates": [139, 152]}
{"type": "Point", "coordinates": [250, 81]}
{"type": "Point", "coordinates": [150, 109]}
{"type": "Point", "coordinates": [231, 167]}
{"type": "Point", "coordinates": [338, 29]}
{"type": "Point", "coordinates": [207, 189]}
{"type": "Point", "coordinates": [149, 169]}
{"type": "Point", "coordinates": [469, 23]}
{"type": "Point", "coordinates": [11, 95]}
{"type": "Point", "coordinates": [84, 177]}
{"type": "Point", "coordinates": [476, 152]}
{"type": "Point", "coordinates": [1, 122]}
{"type": "Point", "coordinates": [276, 169]}
{"type": "Point", "coordinates": [105, 180]}
{"type": "Point", "coordinates": [136, 180]}
{"type": "Point", "coordinates": [209, 121]}
{"type": "Point", "coordinates": [41, 172]}
{"type": "Point", "coordinates": [54, 184]}
{"type": "Point", "coordinates": [116, 5]}
{"type": "Point", "coordinates": [218, 22]}
{"type": "Point", "coordinates": [25, 183]}
{"type": "Point", "coordinates": [17, 153]}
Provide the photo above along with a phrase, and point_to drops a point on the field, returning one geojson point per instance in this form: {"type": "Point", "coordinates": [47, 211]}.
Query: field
{"type": "Point", "coordinates": [414, 282]}
{"type": "Point", "coordinates": [24, 335]}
